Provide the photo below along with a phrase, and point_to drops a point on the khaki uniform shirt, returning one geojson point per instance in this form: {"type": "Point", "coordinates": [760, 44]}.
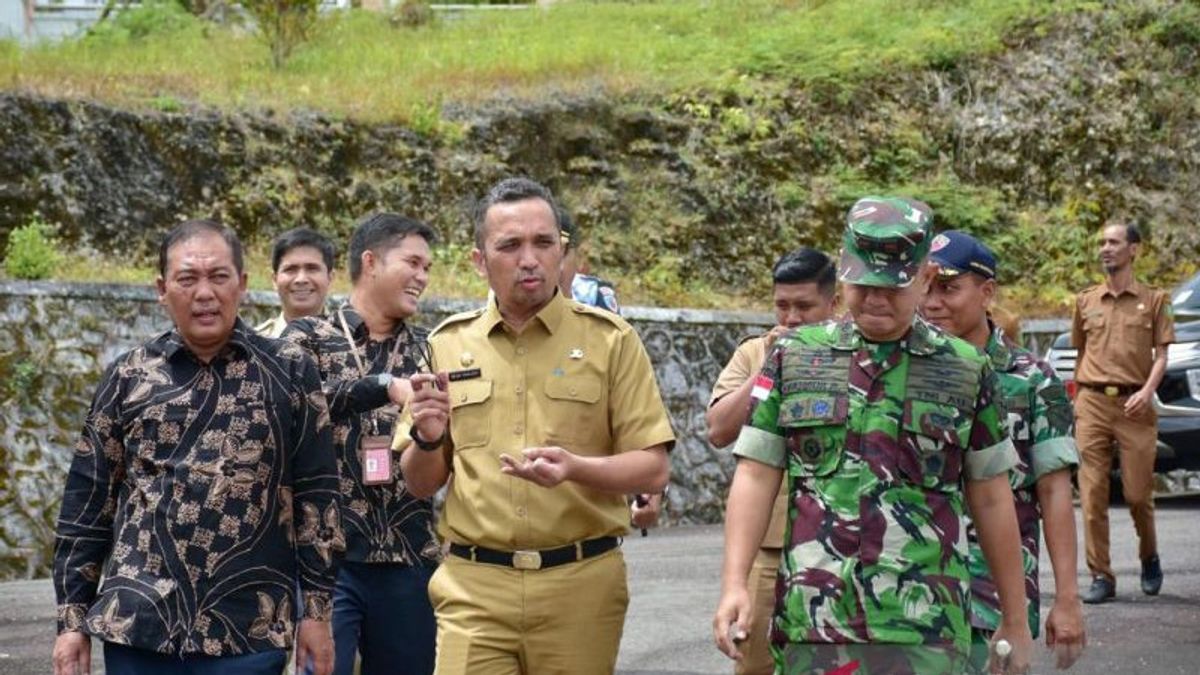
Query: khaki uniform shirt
{"type": "Point", "coordinates": [576, 377]}
{"type": "Point", "coordinates": [1116, 334]}
{"type": "Point", "coordinates": [746, 362]}
{"type": "Point", "coordinates": [272, 327]}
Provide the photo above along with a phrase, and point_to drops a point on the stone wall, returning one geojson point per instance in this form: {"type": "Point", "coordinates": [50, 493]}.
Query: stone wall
{"type": "Point", "coordinates": [56, 339]}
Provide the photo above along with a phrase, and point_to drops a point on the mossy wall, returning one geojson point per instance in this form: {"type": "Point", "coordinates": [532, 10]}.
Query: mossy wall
{"type": "Point", "coordinates": [56, 339]}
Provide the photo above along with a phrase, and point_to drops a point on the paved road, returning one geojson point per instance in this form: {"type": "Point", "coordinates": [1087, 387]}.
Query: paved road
{"type": "Point", "coordinates": [673, 575]}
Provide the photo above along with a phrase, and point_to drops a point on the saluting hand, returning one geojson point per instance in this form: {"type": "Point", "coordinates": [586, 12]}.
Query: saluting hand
{"type": "Point", "coordinates": [430, 404]}
{"type": "Point", "coordinates": [546, 466]}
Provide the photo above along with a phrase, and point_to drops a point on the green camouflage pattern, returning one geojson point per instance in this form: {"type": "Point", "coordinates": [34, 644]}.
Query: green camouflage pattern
{"type": "Point", "coordinates": [876, 439]}
{"type": "Point", "coordinates": [1040, 423]}
{"type": "Point", "coordinates": [885, 242]}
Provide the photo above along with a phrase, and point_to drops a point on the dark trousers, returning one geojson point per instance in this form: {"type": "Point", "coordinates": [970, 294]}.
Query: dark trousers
{"type": "Point", "coordinates": [122, 660]}
{"type": "Point", "coordinates": [382, 611]}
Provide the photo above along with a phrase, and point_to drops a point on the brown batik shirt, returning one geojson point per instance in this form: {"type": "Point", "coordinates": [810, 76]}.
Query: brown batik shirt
{"type": "Point", "coordinates": [383, 523]}
{"type": "Point", "coordinates": [202, 494]}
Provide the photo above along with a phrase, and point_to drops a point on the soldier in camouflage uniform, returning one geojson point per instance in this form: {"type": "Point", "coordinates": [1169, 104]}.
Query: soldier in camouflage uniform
{"type": "Point", "coordinates": [1039, 423]}
{"type": "Point", "coordinates": [876, 421]}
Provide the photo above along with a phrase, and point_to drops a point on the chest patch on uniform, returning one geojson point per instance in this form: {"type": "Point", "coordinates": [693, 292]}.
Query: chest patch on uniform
{"type": "Point", "coordinates": [815, 370]}
{"type": "Point", "coordinates": [945, 380]}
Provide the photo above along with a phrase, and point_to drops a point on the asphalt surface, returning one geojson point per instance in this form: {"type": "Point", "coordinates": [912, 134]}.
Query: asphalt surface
{"type": "Point", "coordinates": [674, 587]}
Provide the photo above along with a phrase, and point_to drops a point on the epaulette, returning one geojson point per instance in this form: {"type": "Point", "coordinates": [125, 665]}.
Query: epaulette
{"type": "Point", "coordinates": [580, 308]}
{"type": "Point", "coordinates": [458, 318]}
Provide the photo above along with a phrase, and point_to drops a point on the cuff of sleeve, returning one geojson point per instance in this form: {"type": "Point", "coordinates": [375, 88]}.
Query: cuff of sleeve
{"type": "Point", "coordinates": [71, 618]}
{"type": "Point", "coordinates": [991, 461]}
{"type": "Point", "coordinates": [1054, 454]}
{"type": "Point", "coordinates": [318, 605]}
{"type": "Point", "coordinates": [761, 446]}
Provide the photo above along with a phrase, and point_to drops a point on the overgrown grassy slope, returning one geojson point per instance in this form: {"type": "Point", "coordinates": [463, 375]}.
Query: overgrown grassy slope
{"type": "Point", "coordinates": [696, 141]}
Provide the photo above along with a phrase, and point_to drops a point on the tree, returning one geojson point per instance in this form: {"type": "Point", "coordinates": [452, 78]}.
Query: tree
{"type": "Point", "coordinates": [283, 24]}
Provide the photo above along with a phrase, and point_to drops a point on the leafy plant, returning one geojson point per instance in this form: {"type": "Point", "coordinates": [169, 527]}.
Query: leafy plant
{"type": "Point", "coordinates": [283, 24]}
{"type": "Point", "coordinates": [32, 251]}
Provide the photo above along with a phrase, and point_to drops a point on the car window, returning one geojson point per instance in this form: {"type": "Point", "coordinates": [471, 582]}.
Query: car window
{"type": "Point", "coordinates": [1187, 294]}
{"type": "Point", "coordinates": [1063, 341]}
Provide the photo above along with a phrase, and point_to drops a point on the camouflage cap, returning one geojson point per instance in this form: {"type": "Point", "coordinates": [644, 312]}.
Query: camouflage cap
{"type": "Point", "coordinates": [886, 240]}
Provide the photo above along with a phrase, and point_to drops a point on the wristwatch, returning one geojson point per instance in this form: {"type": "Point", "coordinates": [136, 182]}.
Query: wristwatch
{"type": "Point", "coordinates": [422, 444]}
{"type": "Point", "coordinates": [384, 379]}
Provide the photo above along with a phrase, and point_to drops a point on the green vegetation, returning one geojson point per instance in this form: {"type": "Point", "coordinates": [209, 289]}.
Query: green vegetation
{"type": "Point", "coordinates": [358, 64]}
{"type": "Point", "coordinates": [32, 252]}
{"type": "Point", "coordinates": [769, 117]}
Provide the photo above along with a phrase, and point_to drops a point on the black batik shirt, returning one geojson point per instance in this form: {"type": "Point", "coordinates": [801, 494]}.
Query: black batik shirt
{"type": "Point", "coordinates": [202, 494]}
{"type": "Point", "coordinates": [383, 523]}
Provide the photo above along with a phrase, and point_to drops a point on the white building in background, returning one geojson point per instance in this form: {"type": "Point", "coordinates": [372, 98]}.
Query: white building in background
{"type": "Point", "coordinates": [32, 20]}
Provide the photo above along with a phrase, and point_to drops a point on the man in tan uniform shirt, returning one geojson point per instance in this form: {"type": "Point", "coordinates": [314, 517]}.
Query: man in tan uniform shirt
{"type": "Point", "coordinates": [804, 291]}
{"type": "Point", "coordinates": [550, 415]}
{"type": "Point", "coordinates": [1121, 329]}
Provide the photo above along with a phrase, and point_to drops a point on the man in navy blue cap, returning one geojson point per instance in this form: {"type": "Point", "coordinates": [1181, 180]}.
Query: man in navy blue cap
{"type": "Point", "coordinates": [1039, 422]}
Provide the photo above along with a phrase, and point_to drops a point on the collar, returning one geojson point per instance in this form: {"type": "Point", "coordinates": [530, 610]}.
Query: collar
{"type": "Point", "coordinates": [920, 340]}
{"type": "Point", "coordinates": [550, 316]}
{"type": "Point", "coordinates": [354, 321]}
{"type": "Point", "coordinates": [999, 349]}
{"type": "Point", "coordinates": [171, 343]}
{"type": "Point", "coordinates": [1134, 289]}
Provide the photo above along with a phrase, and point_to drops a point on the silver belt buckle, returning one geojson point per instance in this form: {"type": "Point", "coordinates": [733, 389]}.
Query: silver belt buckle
{"type": "Point", "coordinates": [527, 560]}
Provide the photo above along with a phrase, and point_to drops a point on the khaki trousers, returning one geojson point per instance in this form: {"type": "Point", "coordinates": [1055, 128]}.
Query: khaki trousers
{"type": "Point", "coordinates": [756, 652]}
{"type": "Point", "coordinates": [1100, 420]}
{"type": "Point", "coordinates": [494, 620]}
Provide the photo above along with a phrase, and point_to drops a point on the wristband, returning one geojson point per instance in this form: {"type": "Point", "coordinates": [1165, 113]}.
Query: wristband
{"type": "Point", "coordinates": [422, 444]}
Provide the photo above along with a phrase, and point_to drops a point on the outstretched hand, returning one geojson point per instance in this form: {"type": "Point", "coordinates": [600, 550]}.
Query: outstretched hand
{"type": "Point", "coordinates": [546, 466]}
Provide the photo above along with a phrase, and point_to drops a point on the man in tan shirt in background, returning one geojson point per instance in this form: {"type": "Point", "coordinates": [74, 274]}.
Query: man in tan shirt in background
{"type": "Point", "coordinates": [548, 416]}
{"type": "Point", "coordinates": [804, 291]}
{"type": "Point", "coordinates": [1121, 329]}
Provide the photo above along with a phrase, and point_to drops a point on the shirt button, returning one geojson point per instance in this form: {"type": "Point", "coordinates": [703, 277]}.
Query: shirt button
{"type": "Point", "coordinates": [519, 430]}
{"type": "Point", "coordinates": [520, 351]}
{"type": "Point", "coordinates": [572, 391]}
{"type": "Point", "coordinates": [520, 390]}
{"type": "Point", "coordinates": [463, 398]}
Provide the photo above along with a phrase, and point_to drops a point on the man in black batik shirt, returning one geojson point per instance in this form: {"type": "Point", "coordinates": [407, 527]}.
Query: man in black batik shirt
{"type": "Point", "coordinates": [202, 489]}
{"type": "Point", "coordinates": [365, 351]}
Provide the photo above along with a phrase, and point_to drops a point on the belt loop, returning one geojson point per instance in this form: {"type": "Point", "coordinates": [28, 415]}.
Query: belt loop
{"type": "Point", "coordinates": [473, 554]}
{"type": "Point", "coordinates": [578, 550]}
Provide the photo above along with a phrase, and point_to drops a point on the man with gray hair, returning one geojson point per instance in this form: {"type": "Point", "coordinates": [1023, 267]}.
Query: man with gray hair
{"type": "Point", "coordinates": [202, 492]}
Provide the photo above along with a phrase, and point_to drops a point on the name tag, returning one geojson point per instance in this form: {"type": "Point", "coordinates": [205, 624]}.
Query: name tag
{"type": "Point", "coordinates": [375, 452]}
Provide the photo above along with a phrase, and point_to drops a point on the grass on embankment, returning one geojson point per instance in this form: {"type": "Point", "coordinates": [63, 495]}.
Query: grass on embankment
{"type": "Point", "coordinates": [360, 66]}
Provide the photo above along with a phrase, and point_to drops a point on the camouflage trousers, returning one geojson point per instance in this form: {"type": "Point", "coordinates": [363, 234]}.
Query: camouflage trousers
{"type": "Point", "coordinates": [802, 658]}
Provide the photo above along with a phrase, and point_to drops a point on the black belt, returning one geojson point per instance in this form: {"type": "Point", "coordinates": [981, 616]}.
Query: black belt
{"type": "Point", "coordinates": [1113, 389]}
{"type": "Point", "coordinates": [537, 560]}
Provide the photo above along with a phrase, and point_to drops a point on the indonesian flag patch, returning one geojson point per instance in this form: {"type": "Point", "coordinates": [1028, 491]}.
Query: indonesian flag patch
{"type": "Point", "coordinates": [762, 388]}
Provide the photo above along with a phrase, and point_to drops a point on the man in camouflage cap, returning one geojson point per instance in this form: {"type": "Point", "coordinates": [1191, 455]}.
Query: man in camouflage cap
{"type": "Point", "coordinates": [1040, 425]}
{"type": "Point", "coordinates": [876, 420]}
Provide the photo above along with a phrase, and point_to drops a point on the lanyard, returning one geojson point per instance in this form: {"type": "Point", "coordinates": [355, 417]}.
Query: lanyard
{"type": "Point", "coordinates": [358, 359]}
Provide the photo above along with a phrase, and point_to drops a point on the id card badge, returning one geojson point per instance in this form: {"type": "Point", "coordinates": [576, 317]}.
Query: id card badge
{"type": "Point", "coordinates": [376, 457]}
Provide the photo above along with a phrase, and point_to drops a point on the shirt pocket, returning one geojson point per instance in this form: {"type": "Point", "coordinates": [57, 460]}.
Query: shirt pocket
{"type": "Point", "coordinates": [814, 431]}
{"type": "Point", "coordinates": [1094, 324]}
{"type": "Point", "coordinates": [932, 441]}
{"type": "Point", "coordinates": [574, 417]}
{"type": "Point", "coordinates": [470, 426]}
